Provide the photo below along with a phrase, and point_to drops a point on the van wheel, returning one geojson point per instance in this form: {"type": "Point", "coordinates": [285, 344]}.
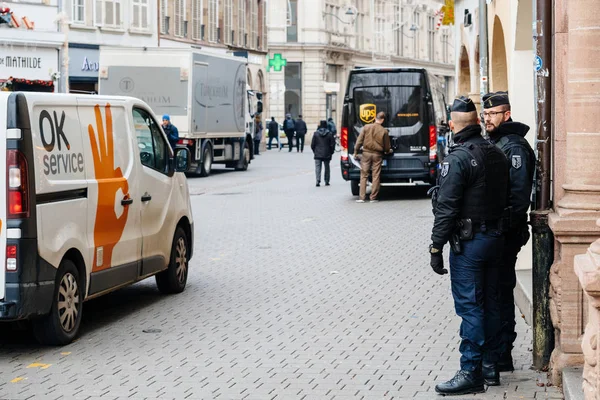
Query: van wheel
{"type": "Point", "coordinates": [174, 278]}
{"type": "Point", "coordinates": [61, 326]}
{"type": "Point", "coordinates": [207, 160]}
{"type": "Point", "coordinates": [355, 187]}
{"type": "Point", "coordinates": [245, 160]}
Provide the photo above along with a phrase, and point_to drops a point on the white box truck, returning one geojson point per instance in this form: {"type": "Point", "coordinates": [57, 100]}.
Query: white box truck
{"type": "Point", "coordinates": [205, 95]}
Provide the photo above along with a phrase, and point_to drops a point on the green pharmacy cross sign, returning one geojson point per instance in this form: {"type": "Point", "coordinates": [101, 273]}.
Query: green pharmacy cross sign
{"type": "Point", "coordinates": [277, 62]}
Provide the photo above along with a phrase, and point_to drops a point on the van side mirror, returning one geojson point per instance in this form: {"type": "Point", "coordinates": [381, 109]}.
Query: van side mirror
{"type": "Point", "coordinates": [182, 159]}
{"type": "Point", "coordinates": [259, 107]}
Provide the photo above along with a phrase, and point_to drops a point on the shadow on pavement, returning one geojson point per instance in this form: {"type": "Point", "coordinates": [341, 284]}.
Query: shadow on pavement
{"type": "Point", "coordinates": [97, 315]}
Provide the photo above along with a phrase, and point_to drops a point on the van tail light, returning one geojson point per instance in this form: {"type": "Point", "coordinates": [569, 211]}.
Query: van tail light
{"type": "Point", "coordinates": [344, 143]}
{"type": "Point", "coordinates": [185, 142]}
{"type": "Point", "coordinates": [17, 184]}
{"type": "Point", "coordinates": [11, 257]}
{"type": "Point", "coordinates": [432, 143]}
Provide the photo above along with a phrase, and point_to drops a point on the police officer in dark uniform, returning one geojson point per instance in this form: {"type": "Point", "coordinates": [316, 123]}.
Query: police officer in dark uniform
{"type": "Point", "coordinates": [468, 207]}
{"type": "Point", "coordinates": [509, 136]}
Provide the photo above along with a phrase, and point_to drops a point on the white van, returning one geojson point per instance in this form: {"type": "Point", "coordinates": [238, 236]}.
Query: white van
{"type": "Point", "coordinates": [93, 200]}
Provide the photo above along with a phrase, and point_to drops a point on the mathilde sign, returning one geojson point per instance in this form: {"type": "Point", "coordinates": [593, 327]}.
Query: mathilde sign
{"type": "Point", "coordinates": [26, 63]}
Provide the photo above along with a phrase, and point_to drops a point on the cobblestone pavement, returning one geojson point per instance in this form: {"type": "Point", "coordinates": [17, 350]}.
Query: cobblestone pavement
{"type": "Point", "coordinates": [295, 292]}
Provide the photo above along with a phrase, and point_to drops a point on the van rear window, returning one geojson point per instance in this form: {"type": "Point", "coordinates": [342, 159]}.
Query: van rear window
{"type": "Point", "coordinates": [393, 78]}
{"type": "Point", "coordinates": [402, 105]}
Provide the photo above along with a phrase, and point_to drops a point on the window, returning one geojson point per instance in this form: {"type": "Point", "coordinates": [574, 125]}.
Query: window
{"type": "Point", "coordinates": [445, 44]}
{"type": "Point", "coordinates": [164, 18]}
{"type": "Point", "coordinates": [416, 39]}
{"type": "Point", "coordinates": [141, 15]}
{"type": "Point", "coordinates": [227, 20]}
{"type": "Point", "coordinates": [108, 13]}
{"type": "Point", "coordinates": [399, 31]}
{"type": "Point", "coordinates": [197, 9]}
{"type": "Point", "coordinates": [264, 26]}
{"type": "Point", "coordinates": [151, 142]}
{"type": "Point", "coordinates": [241, 22]}
{"type": "Point", "coordinates": [213, 20]}
{"type": "Point", "coordinates": [253, 24]}
{"type": "Point", "coordinates": [179, 19]}
{"type": "Point", "coordinates": [76, 10]}
{"type": "Point", "coordinates": [292, 30]}
{"type": "Point", "coordinates": [431, 37]}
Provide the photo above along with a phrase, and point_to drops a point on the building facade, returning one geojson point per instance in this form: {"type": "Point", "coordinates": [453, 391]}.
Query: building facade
{"type": "Point", "coordinates": [223, 26]}
{"type": "Point", "coordinates": [323, 40]}
{"type": "Point", "coordinates": [95, 23]}
{"type": "Point", "coordinates": [574, 295]}
{"type": "Point", "coordinates": [30, 46]}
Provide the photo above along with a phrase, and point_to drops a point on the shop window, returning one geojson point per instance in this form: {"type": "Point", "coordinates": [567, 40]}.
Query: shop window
{"type": "Point", "coordinates": [293, 88]}
{"type": "Point", "coordinates": [141, 15]}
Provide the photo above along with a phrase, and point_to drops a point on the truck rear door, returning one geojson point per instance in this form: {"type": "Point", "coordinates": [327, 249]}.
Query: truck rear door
{"type": "Point", "coordinates": [406, 115]}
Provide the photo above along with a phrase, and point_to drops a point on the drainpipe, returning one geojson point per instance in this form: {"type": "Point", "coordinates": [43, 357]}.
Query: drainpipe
{"type": "Point", "coordinates": [483, 49]}
{"type": "Point", "coordinates": [543, 238]}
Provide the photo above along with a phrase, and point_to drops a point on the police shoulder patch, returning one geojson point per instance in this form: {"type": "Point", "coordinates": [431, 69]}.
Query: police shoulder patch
{"type": "Point", "coordinates": [516, 161]}
{"type": "Point", "coordinates": [445, 169]}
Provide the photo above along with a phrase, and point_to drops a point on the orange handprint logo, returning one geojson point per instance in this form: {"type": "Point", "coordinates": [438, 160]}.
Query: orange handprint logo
{"type": "Point", "coordinates": [108, 227]}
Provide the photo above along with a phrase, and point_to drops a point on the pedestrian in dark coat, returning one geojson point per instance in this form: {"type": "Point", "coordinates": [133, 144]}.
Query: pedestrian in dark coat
{"type": "Point", "coordinates": [273, 133]}
{"type": "Point", "coordinates": [170, 130]}
{"type": "Point", "coordinates": [289, 126]}
{"type": "Point", "coordinates": [258, 133]}
{"type": "Point", "coordinates": [323, 146]}
{"type": "Point", "coordinates": [301, 129]}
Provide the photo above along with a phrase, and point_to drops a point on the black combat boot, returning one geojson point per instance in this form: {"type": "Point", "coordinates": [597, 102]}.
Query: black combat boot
{"type": "Point", "coordinates": [490, 372]}
{"type": "Point", "coordinates": [505, 364]}
{"type": "Point", "coordinates": [464, 382]}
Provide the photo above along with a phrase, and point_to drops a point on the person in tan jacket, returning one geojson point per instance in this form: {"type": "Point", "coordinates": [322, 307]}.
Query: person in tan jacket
{"type": "Point", "coordinates": [375, 142]}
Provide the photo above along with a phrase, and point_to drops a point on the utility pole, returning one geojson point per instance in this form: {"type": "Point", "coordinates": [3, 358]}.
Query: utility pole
{"type": "Point", "coordinates": [543, 239]}
{"type": "Point", "coordinates": [483, 49]}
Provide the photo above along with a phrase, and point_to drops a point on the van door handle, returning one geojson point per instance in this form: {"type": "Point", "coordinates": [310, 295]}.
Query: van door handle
{"type": "Point", "coordinates": [146, 197]}
{"type": "Point", "coordinates": [126, 201]}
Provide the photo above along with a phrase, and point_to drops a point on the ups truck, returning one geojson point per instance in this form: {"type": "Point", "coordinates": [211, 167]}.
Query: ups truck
{"type": "Point", "coordinates": [205, 94]}
{"type": "Point", "coordinates": [415, 114]}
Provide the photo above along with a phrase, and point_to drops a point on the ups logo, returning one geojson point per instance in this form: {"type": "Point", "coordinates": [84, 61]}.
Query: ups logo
{"type": "Point", "coordinates": [368, 112]}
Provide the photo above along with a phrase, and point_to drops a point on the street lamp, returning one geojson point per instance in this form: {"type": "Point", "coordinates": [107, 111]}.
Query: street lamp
{"type": "Point", "coordinates": [350, 11]}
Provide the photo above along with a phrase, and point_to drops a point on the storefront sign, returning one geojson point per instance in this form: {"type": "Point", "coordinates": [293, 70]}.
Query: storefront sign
{"type": "Point", "coordinates": [84, 62]}
{"type": "Point", "coordinates": [20, 62]}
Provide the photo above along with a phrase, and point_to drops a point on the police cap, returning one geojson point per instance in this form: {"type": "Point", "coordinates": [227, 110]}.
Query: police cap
{"type": "Point", "coordinates": [463, 104]}
{"type": "Point", "coordinates": [495, 99]}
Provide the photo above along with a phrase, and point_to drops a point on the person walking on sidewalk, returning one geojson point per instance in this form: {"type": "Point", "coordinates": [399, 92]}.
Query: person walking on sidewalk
{"type": "Point", "coordinates": [331, 127]}
{"type": "Point", "coordinates": [468, 205]}
{"type": "Point", "coordinates": [509, 136]}
{"type": "Point", "coordinates": [273, 133]}
{"type": "Point", "coordinates": [375, 142]}
{"type": "Point", "coordinates": [323, 146]}
{"type": "Point", "coordinates": [258, 134]}
{"type": "Point", "coordinates": [289, 127]}
{"type": "Point", "coordinates": [300, 127]}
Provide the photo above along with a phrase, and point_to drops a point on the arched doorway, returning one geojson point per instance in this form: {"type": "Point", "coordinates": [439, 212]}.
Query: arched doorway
{"type": "Point", "coordinates": [499, 68]}
{"type": "Point", "coordinates": [464, 73]}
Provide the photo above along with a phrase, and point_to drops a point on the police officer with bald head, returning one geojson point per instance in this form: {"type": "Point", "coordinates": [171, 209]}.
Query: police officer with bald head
{"type": "Point", "coordinates": [509, 136]}
{"type": "Point", "coordinates": [468, 209]}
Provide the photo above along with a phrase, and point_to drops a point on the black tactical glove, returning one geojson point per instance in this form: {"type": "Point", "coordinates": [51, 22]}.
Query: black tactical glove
{"type": "Point", "coordinates": [437, 261]}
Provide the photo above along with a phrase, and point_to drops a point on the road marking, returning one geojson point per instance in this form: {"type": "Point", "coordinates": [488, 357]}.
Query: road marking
{"type": "Point", "coordinates": [39, 365]}
{"type": "Point", "coordinates": [66, 353]}
{"type": "Point", "coordinates": [215, 259]}
{"type": "Point", "coordinates": [17, 380]}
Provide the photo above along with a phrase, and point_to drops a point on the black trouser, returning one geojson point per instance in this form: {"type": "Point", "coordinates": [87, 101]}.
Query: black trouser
{"type": "Point", "coordinates": [318, 164]}
{"type": "Point", "coordinates": [300, 139]}
{"type": "Point", "coordinates": [256, 146]}
{"type": "Point", "coordinates": [290, 138]}
{"type": "Point", "coordinates": [506, 286]}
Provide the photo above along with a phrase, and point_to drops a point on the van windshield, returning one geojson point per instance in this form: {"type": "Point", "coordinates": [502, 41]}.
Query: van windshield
{"type": "Point", "coordinates": [403, 106]}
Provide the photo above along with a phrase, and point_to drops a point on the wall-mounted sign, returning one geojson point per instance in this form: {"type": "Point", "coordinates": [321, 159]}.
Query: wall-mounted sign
{"type": "Point", "coordinates": [84, 62]}
{"type": "Point", "coordinates": [19, 62]}
{"type": "Point", "coordinates": [277, 62]}
{"type": "Point", "coordinates": [331, 87]}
